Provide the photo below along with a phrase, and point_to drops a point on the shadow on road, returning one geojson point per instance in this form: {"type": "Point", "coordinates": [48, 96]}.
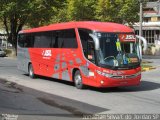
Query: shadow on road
{"type": "Point", "coordinates": [21, 100]}
{"type": "Point", "coordinates": [144, 86]}
{"type": "Point", "coordinates": [53, 80]}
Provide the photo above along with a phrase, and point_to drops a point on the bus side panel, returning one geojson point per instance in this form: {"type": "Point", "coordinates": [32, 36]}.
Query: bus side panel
{"type": "Point", "coordinates": [42, 65]}
{"type": "Point", "coordinates": [59, 64]}
{"type": "Point", "coordinates": [65, 62]}
{"type": "Point", "coordinates": [23, 58]}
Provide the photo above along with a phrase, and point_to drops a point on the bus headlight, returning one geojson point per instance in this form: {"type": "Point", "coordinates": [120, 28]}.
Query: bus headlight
{"type": "Point", "coordinates": [102, 82]}
{"type": "Point", "coordinates": [104, 74]}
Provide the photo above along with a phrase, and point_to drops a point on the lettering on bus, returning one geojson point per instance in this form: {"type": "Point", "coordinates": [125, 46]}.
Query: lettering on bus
{"type": "Point", "coordinates": [46, 54]}
{"type": "Point", "coordinates": [127, 37]}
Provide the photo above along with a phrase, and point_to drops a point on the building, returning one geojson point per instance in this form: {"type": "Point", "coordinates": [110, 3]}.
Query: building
{"type": "Point", "coordinates": [151, 26]}
{"type": "Point", "coordinates": [3, 39]}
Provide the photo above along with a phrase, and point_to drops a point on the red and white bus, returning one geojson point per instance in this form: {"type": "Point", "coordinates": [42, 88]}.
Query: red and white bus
{"type": "Point", "coordinates": [98, 54]}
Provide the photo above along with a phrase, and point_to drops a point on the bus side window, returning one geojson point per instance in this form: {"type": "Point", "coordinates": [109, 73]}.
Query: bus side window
{"type": "Point", "coordinates": [84, 37]}
{"type": "Point", "coordinates": [28, 41]}
{"type": "Point", "coordinates": [91, 51]}
{"type": "Point", "coordinates": [21, 40]}
{"type": "Point", "coordinates": [42, 40]}
{"type": "Point", "coordinates": [69, 40]}
{"type": "Point", "coordinates": [87, 44]}
{"type": "Point", "coordinates": [54, 39]}
{"type": "Point", "coordinates": [66, 39]}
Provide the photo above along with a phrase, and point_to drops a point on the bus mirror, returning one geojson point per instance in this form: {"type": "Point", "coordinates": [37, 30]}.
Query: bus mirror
{"type": "Point", "coordinates": [96, 41]}
{"type": "Point", "coordinates": [144, 41]}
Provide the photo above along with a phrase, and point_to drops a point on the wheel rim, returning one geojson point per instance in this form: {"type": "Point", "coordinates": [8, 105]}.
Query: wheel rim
{"type": "Point", "coordinates": [78, 80]}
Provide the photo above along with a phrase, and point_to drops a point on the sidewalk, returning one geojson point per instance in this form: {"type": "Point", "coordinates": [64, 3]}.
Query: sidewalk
{"type": "Point", "coordinates": [12, 58]}
{"type": "Point", "coordinates": [152, 62]}
{"type": "Point", "coordinates": [151, 56]}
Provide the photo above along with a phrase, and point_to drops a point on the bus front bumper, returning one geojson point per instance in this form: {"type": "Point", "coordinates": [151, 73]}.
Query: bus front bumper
{"type": "Point", "coordinates": [117, 82]}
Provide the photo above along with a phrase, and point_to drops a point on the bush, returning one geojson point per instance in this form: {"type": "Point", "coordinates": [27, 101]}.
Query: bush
{"type": "Point", "coordinates": [10, 52]}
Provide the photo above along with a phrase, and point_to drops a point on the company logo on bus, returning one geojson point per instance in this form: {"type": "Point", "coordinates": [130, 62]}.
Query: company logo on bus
{"type": "Point", "coordinates": [47, 54]}
{"type": "Point", "coordinates": [127, 38]}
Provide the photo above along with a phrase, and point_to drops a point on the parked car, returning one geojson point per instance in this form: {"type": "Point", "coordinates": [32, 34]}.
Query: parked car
{"type": "Point", "coordinates": [2, 53]}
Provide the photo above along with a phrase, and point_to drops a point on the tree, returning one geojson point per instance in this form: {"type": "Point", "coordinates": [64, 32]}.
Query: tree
{"type": "Point", "coordinates": [129, 11]}
{"type": "Point", "coordinates": [16, 13]}
{"type": "Point", "coordinates": [80, 10]}
{"type": "Point", "coordinates": [60, 12]}
{"type": "Point", "coordinates": [120, 11]}
{"type": "Point", "coordinates": [47, 12]}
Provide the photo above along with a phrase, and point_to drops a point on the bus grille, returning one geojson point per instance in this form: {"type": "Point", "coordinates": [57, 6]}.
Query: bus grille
{"type": "Point", "coordinates": [125, 76]}
{"type": "Point", "coordinates": [117, 76]}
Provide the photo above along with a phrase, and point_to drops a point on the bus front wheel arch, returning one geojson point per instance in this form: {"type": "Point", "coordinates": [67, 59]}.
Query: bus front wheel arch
{"type": "Point", "coordinates": [31, 71]}
{"type": "Point", "coordinates": [78, 79]}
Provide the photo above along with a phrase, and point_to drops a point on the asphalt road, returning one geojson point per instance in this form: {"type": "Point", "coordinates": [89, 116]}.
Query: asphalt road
{"type": "Point", "coordinates": [54, 98]}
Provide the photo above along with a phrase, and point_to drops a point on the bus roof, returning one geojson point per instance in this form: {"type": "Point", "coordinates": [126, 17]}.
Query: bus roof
{"type": "Point", "coordinates": [96, 26]}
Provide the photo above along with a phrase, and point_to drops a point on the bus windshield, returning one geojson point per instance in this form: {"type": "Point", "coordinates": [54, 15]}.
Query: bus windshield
{"type": "Point", "coordinates": [116, 53]}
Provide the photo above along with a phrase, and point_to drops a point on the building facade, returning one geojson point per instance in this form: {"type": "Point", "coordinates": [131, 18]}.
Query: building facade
{"type": "Point", "coordinates": [151, 26]}
{"type": "Point", "coordinates": [3, 39]}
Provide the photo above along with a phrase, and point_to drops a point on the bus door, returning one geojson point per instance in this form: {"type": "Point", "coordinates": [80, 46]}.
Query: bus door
{"type": "Point", "coordinates": [91, 51]}
{"type": "Point", "coordinates": [88, 47]}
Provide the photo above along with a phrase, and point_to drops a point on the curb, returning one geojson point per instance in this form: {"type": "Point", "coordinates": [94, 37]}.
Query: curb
{"type": "Point", "coordinates": [148, 68]}
{"type": "Point", "coordinates": [11, 58]}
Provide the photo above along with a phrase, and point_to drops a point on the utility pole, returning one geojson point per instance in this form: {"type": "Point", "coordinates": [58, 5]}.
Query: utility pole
{"type": "Point", "coordinates": [140, 18]}
{"type": "Point", "coordinates": [140, 26]}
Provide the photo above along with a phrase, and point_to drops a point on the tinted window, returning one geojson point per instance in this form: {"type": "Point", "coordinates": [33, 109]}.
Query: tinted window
{"type": "Point", "coordinates": [21, 40]}
{"type": "Point", "coordinates": [54, 39]}
{"type": "Point", "coordinates": [84, 36]}
{"type": "Point", "coordinates": [29, 40]}
{"type": "Point", "coordinates": [67, 39]}
{"type": "Point", "coordinates": [42, 40]}
{"type": "Point", "coordinates": [25, 40]}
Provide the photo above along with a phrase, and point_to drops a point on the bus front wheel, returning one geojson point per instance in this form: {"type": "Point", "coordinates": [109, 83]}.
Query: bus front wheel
{"type": "Point", "coordinates": [31, 71]}
{"type": "Point", "coordinates": [78, 80]}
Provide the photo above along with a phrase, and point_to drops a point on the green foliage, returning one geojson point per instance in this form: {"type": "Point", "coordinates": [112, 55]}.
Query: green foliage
{"type": "Point", "coordinates": [60, 12]}
{"type": "Point", "coordinates": [43, 11]}
{"type": "Point", "coordinates": [120, 11]}
{"type": "Point", "coordinates": [78, 10]}
{"type": "Point", "coordinates": [14, 14]}
{"type": "Point", "coordinates": [129, 11]}
{"type": "Point", "coordinates": [8, 51]}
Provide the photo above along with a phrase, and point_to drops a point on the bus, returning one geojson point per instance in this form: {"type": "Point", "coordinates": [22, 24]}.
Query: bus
{"type": "Point", "coordinates": [88, 53]}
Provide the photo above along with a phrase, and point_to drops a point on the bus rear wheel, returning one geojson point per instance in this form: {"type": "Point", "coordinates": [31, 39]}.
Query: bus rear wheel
{"type": "Point", "coordinates": [78, 80]}
{"type": "Point", "coordinates": [31, 71]}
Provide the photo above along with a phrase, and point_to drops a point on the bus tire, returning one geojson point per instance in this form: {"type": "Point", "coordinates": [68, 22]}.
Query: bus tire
{"type": "Point", "coordinates": [31, 71]}
{"type": "Point", "coordinates": [78, 80]}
